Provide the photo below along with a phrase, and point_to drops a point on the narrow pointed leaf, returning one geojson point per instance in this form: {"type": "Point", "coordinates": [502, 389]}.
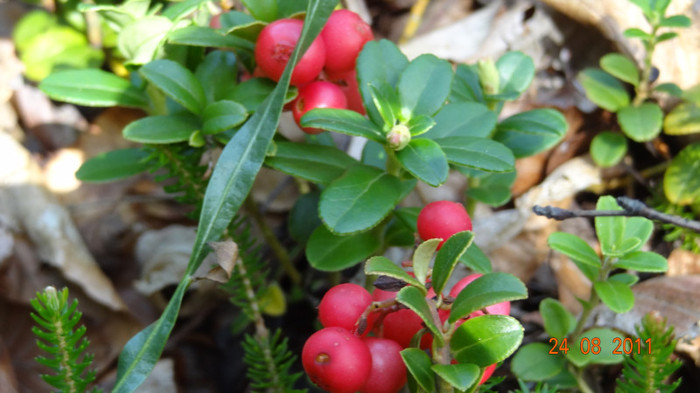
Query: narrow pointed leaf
{"type": "Point", "coordinates": [489, 289]}
{"type": "Point", "coordinates": [448, 257]}
{"type": "Point", "coordinates": [486, 340]}
{"type": "Point", "coordinates": [315, 163]}
{"type": "Point", "coordinates": [381, 266]}
{"type": "Point", "coordinates": [461, 376]}
{"type": "Point", "coordinates": [424, 159]}
{"type": "Point", "coordinates": [359, 199]}
{"type": "Point", "coordinates": [343, 121]}
{"type": "Point", "coordinates": [177, 82]}
{"type": "Point", "coordinates": [478, 153]}
{"type": "Point", "coordinates": [94, 88]}
{"type": "Point", "coordinates": [329, 252]}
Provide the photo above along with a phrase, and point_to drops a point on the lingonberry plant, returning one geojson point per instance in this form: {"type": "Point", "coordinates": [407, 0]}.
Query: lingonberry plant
{"type": "Point", "coordinates": [419, 118]}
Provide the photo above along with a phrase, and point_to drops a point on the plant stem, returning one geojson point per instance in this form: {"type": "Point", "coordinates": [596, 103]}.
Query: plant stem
{"type": "Point", "coordinates": [64, 349]}
{"type": "Point", "coordinates": [272, 241]}
{"type": "Point", "coordinates": [393, 166]}
{"type": "Point", "coordinates": [643, 89]}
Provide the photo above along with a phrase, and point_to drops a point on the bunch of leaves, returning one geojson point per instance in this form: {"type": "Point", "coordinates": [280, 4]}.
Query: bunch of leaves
{"type": "Point", "coordinates": [63, 344]}
{"type": "Point", "coordinates": [648, 370]}
{"type": "Point", "coordinates": [571, 346]}
{"type": "Point", "coordinates": [424, 118]}
{"type": "Point", "coordinates": [478, 342]}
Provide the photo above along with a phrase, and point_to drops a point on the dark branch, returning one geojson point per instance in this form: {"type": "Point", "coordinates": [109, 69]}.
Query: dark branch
{"type": "Point", "coordinates": [632, 208]}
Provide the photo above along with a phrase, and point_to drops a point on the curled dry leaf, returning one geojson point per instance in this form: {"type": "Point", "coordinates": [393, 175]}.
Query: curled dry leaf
{"type": "Point", "coordinates": [226, 255]}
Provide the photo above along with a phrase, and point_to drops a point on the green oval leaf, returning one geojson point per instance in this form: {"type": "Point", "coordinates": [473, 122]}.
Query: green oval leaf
{"type": "Point", "coordinates": [161, 129]}
{"type": "Point", "coordinates": [640, 228]}
{"type": "Point", "coordinates": [359, 199]}
{"type": "Point", "coordinates": [608, 148]}
{"type": "Point", "coordinates": [574, 247]}
{"type": "Point", "coordinates": [682, 178]}
{"type": "Point", "coordinates": [478, 153]}
{"type": "Point", "coordinates": [610, 230]}
{"type": "Point", "coordinates": [414, 298]}
{"type": "Point", "coordinates": [489, 289]}
{"type": "Point", "coordinates": [343, 121]}
{"type": "Point", "coordinates": [461, 376]}
{"type": "Point", "coordinates": [531, 132]}
{"type": "Point", "coordinates": [582, 351]}
{"type": "Point", "coordinates": [675, 21]}
{"type": "Point", "coordinates": [379, 62]}
{"type": "Point", "coordinates": [448, 256]}
{"type": "Point", "coordinates": [207, 37]}
{"type": "Point", "coordinates": [315, 163]}
{"type": "Point", "coordinates": [381, 266]}
{"type": "Point", "coordinates": [222, 115]}
{"type": "Point", "coordinates": [516, 71]}
{"type": "Point", "coordinates": [476, 260]}
{"type": "Point", "coordinates": [533, 362]}
{"type": "Point", "coordinates": [463, 119]}
{"type": "Point", "coordinates": [486, 340]}
{"type": "Point", "coordinates": [492, 189]}
{"type": "Point", "coordinates": [113, 165]}
{"type": "Point", "coordinates": [604, 90]}
{"type": "Point", "coordinates": [558, 321]}
{"type": "Point", "coordinates": [424, 159]}
{"type": "Point", "coordinates": [329, 252]}
{"type": "Point", "coordinates": [419, 365]}
{"type": "Point", "coordinates": [683, 119]}
{"type": "Point", "coordinates": [424, 86]}
{"type": "Point", "coordinates": [420, 124]}
{"type": "Point", "coordinates": [616, 295]}
{"type": "Point", "coordinates": [177, 82]}
{"type": "Point", "coordinates": [422, 257]}
{"type": "Point", "coordinates": [620, 67]}
{"type": "Point", "coordinates": [217, 75]}
{"type": "Point", "coordinates": [642, 261]}
{"type": "Point", "coordinates": [92, 87]}
{"type": "Point", "coordinates": [465, 85]}
{"type": "Point", "coordinates": [641, 123]}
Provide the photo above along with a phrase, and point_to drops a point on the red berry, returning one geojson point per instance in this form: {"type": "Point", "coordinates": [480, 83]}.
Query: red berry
{"type": "Point", "coordinates": [275, 45]}
{"type": "Point", "coordinates": [347, 81]}
{"type": "Point", "coordinates": [442, 219]}
{"type": "Point", "coordinates": [336, 360]}
{"type": "Point", "coordinates": [342, 306]}
{"type": "Point", "coordinates": [318, 94]}
{"type": "Point", "coordinates": [344, 35]}
{"type": "Point", "coordinates": [488, 371]}
{"type": "Point", "coordinates": [401, 325]}
{"type": "Point", "coordinates": [388, 372]}
{"type": "Point", "coordinates": [215, 21]}
{"type": "Point", "coordinates": [502, 308]}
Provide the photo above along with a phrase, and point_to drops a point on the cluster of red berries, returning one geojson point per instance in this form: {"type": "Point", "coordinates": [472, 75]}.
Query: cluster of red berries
{"type": "Point", "coordinates": [343, 358]}
{"type": "Point", "coordinates": [325, 75]}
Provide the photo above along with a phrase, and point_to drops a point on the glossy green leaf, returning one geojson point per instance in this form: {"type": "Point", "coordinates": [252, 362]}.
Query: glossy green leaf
{"type": "Point", "coordinates": [461, 376]}
{"type": "Point", "coordinates": [359, 199]}
{"type": "Point", "coordinates": [640, 228]}
{"type": "Point", "coordinates": [531, 132]}
{"type": "Point", "coordinates": [181, 9]}
{"type": "Point", "coordinates": [465, 85]}
{"type": "Point", "coordinates": [177, 82]}
{"type": "Point", "coordinates": [533, 362]}
{"type": "Point", "coordinates": [93, 88]}
{"type": "Point", "coordinates": [316, 163]}
{"type": "Point", "coordinates": [140, 40]}
{"type": "Point", "coordinates": [343, 121]}
{"type": "Point", "coordinates": [161, 129]}
{"type": "Point", "coordinates": [373, 154]}
{"type": "Point", "coordinates": [637, 33]}
{"type": "Point", "coordinates": [424, 159]}
{"type": "Point", "coordinates": [486, 340]}
{"type": "Point", "coordinates": [642, 261]}
{"type": "Point", "coordinates": [303, 218]}
{"type": "Point", "coordinates": [669, 88]}
{"type": "Point", "coordinates": [251, 93]}
{"type": "Point", "coordinates": [419, 365]}
{"type": "Point", "coordinates": [684, 119]}
{"type": "Point", "coordinates": [492, 189]}
{"type": "Point", "coordinates": [625, 278]}
{"type": "Point", "coordinates": [422, 257]}
{"type": "Point", "coordinates": [420, 124]}
{"type": "Point", "coordinates": [222, 115]}
{"type": "Point", "coordinates": [610, 230]}
{"type": "Point", "coordinates": [558, 321]}
{"type": "Point", "coordinates": [682, 178]}
{"type": "Point", "coordinates": [489, 289]}
{"type": "Point", "coordinates": [641, 123]}
{"type": "Point", "coordinates": [424, 86]}
{"type": "Point", "coordinates": [516, 71]}
{"type": "Point", "coordinates": [265, 10]}
{"type": "Point", "coordinates": [675, 21]}
{"type": "Point", "coordinates": [113, 165]}
{"type": "Point", "coordinates": [666, 36]}
{"type": "Point", "coordinates": [608, 148]}
{"type": "Point", "coordinates": [386, 100]}
{"type": "Point", "coordinates": [463, 119]}
{"type": "Point", "coordinates": [616, 295]}
{"type": "Point", "coordinates": [620, 67]}
{"type": "Point", "coordinates": [448, 256]}
{"type": "Point", "coordinates": [217, 75]}
{"type": "Point", "coordinates": [228, 186]}
{"type": "Point", "coordinates": [208, 37]}
{"type": "Point", "coordinates": [381, 266]}
{"type": "Point", "coordinates": [598, 346]}
{"type": "Point", "coordinates": [241, 24]}
{"type": "Point", "coordinates": [329, 252]}
{"type": "Point", "coordinates": [604, 90]}
{"type": "Point", "coordinates": [476, 260]}
{"type": "Point", "coordinates": [575, 248]}
{"type": "Point", "coordinates": [414, 299]}
{"type": "Point", "coordinates": [477, 153]}
{"type": "Point", "coordinates": [379, 62]}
